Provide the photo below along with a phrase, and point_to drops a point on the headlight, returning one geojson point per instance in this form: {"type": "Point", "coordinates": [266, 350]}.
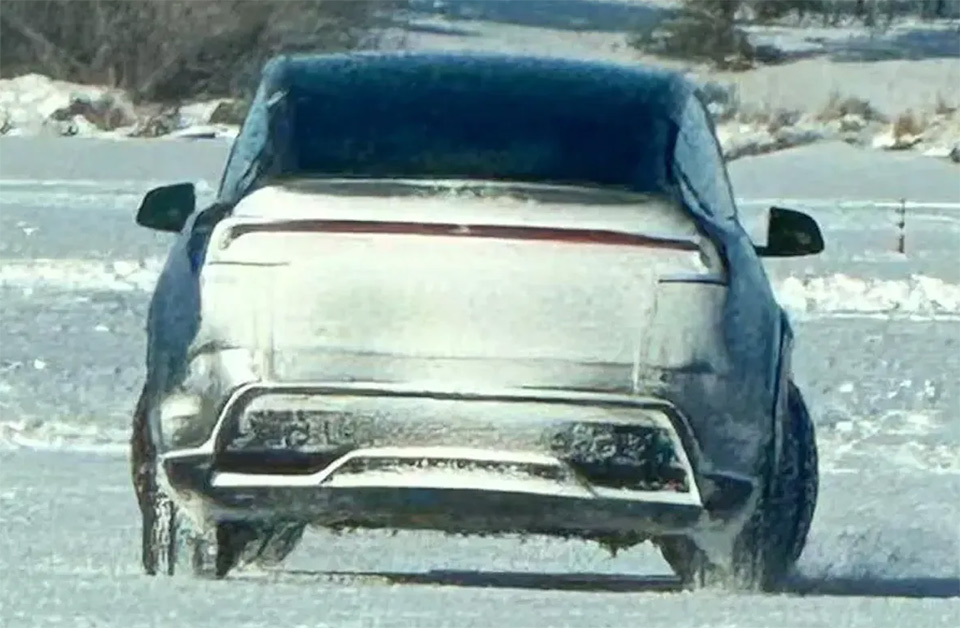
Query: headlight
{"type": "Point", "coordinates": [182, 422]}
{"type": "Point", "coordinates": [188, 417]}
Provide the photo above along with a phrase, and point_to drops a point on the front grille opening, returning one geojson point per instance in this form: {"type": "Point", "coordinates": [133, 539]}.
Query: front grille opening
{"type": "Point", "coordinates": [285, 462]}
{"type": "Point", "coordinates": [631, 477]}
{"type": "Point", "coordinates": [636, 453]}
{"type": "Point", "coordinates": [627, 457]}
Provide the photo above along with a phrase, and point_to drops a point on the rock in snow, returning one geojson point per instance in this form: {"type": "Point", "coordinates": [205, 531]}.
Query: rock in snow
{"type": "Point", "coordinates": [33, 104]}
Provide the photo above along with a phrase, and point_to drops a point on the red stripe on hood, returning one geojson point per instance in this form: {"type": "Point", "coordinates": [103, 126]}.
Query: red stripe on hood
{"type": "Point", "coordinates": [587, 236]}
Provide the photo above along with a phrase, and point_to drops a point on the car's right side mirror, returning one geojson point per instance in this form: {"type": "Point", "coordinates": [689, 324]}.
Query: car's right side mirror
{"type": "Point", "coordinates": [791, 233]}
{"type": "Point", "coordinates": [167, 208]}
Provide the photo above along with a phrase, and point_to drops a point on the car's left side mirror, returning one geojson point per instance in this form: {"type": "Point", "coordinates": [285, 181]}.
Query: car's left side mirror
{"type": "Point", "coordinates": [167, 208]}
{"type": "Point", "coordinates": [791, 233]}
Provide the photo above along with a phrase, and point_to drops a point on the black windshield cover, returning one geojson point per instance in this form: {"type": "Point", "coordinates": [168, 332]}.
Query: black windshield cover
{"type": "Point", "coordinates": [509, 123]}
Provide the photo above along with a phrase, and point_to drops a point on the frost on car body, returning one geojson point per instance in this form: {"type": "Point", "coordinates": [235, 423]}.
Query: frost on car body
{"type": "Point", "coordinates": [467, 304]}
{"type": "Point", "coordinates": [518, 312]}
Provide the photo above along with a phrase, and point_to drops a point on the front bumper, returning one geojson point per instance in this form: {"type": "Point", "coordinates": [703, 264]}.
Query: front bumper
{"type": "Point", "coordinates": [377, 456]}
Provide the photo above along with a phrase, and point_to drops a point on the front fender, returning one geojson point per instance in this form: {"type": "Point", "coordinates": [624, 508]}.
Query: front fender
{"type": "Point", "coordinates": [784, 374]}
{"type": "Point", "coordinates": [734, 415]}
{"type": "Point", "coordinates": [173, 318]}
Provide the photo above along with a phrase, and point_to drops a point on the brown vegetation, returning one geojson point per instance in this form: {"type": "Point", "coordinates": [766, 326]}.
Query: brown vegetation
{"type": "Point", "coordinates": [839, 107]}
{"type": "Point", "coordinates": [703, 30]}
{"type": "Point", "coordinates": [166, 50]}
{"type": "Point", "coordinates": [907, 127]}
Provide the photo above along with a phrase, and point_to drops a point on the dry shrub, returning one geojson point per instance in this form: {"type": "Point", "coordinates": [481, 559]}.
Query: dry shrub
{"type": "Point", "coordinates": [943, 108]}
{"type": "Point", "coordinates": [769, 10]}
{"type": "Point", "coordinates": [703, 30]}
{"type": "Point", "coordinates": [781, 118]}
{"type": "Point", "coordinates": [906, 126]}
{"type": "Point", "coordinates": [838, 107]}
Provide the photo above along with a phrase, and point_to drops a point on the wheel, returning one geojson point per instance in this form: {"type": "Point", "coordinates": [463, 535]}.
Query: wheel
{"type": "Point", "coordinates": [215, 553]}
{"type": "Point", "coordinates": [159, 535]}
{"type": "Point", "coordinates": [163, 532]}
{"type": "Point", "coordinates": [809, 481]}
{"type": "Point", "coordinates": [234, 544]}
{"type": "Point", "coordinates": [774, 537]}
{"type": "Point", "coordinates": [212, 555]}
{"type": "Point", "coordinates": [278, 543]}
{"type": "Point", "coordinates": [158, 514]}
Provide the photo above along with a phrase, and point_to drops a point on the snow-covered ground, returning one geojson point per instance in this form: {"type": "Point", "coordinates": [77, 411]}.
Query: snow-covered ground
{"type": "Point", "coordinates": [817, 93]}
{"type": "Point", "coordinates": [878, 357]}
{"type": "Point", "coordinates": [835, 83]}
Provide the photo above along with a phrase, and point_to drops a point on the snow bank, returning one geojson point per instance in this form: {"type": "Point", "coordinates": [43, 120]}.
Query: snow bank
{"type": "Point", "coordinates": [34, 104]}
{"type": "Point", "coordinates": [59, 436]}
{"type": "Point", "coordinates": [739, 139]}
{"type": "Point", "coordinates": [840, 295]}
{"type": "Point", "coordinates": [38, 105]}
{"type": "Point", "coordinates": [744, 131]}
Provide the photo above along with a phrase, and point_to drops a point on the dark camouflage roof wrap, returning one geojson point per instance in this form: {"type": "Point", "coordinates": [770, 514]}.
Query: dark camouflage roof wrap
{"type": "Point", "coordinates": [470, 116]}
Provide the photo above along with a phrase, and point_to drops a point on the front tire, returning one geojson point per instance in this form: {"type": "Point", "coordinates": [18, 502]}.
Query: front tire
{"type": "Point", "coordinates": [163, 535]}
{"type": "Point", "coordinates": [159, 535]}
{"type": "Point", "coordinates": [165, 538]}
{"type": "Point", "coordinates": [773, 538]}
{"type": "Point", "coordinates": [158, 513]}
{"type": "Point", "coordinates": [278, 542]}
{"type": "Point", "coordinates": [237, 543]}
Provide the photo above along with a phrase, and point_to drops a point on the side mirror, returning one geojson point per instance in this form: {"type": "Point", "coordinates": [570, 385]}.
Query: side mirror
{"type": "Point", "coordinates": [791, 233]}
{"type": "Point", "coordinates": [167, 208]}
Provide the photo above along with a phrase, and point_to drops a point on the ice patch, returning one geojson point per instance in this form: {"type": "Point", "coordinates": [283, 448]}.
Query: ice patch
{"type": "Point", "coordinates": [205, 132]}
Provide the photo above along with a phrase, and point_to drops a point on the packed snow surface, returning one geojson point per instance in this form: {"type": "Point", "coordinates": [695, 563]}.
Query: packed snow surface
{"type": "Point", "coordinates": [877, 356]}
{"type": "Point", "coordinates": [908, 70]}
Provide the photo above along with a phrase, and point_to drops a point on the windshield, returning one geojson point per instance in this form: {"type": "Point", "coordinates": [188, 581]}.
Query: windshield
{"type": "Point", "coordinates": [360, 134]}
{"type": "Point", "coordinates": [496, 126]}
{"type": "Point", "coordinates": [519, 122]}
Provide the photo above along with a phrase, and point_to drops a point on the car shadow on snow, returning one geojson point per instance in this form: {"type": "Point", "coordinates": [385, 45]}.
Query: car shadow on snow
{"type": "Point", "coordinates": [614, 583]}
{"type": "Point", "coordinates": [623, 583]}
{"type": "Point", "coordinates": [873, 586]}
